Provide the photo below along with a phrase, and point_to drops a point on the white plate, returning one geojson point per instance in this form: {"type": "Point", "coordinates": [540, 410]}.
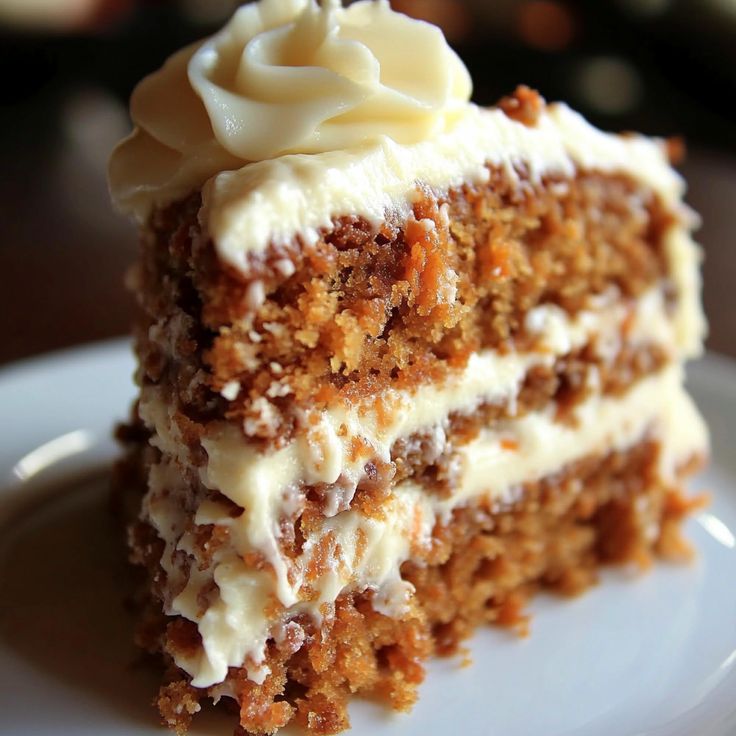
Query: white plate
{"type": "Point", "coordinates": [646, 654]}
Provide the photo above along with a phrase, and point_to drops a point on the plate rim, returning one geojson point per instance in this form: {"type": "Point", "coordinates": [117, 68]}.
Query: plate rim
{"type": "Point", "coordinates": [67, 355]}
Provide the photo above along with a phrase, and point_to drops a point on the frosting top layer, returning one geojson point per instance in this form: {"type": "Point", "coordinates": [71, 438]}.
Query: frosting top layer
{"type": "Point", "coordinates": [269, 202]}
{"type": "Point", "coordinates": [286, 76]}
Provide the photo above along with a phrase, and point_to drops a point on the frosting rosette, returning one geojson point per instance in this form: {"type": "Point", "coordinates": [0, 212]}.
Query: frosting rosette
{"type": "Point", "coordinates": [284, 77]}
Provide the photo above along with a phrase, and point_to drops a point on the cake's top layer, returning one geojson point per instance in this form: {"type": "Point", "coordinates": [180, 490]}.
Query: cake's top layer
{"type": "Point", "coordinates": [271, 202]}
{"type": "Point", "coordinates": [296, 114]}
{"type": "Point", "coordinates": [286, 76]}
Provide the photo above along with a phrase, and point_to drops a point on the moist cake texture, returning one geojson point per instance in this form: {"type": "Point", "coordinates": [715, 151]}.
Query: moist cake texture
{"type": "Point", "coordinates": [402, 360]}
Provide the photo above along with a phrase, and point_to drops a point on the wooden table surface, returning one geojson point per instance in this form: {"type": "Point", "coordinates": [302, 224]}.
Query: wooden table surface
{"type": "Point", "coordinates": [63, 251]}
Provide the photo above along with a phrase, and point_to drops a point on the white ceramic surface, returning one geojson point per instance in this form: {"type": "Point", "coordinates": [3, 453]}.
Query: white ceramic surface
{"type": "Point", "coordinates": [644, 655]}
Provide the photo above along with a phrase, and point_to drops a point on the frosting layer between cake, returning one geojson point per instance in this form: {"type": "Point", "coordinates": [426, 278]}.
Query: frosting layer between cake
{"type": "Point", "coordinates": [270, 485]}
{"type": "Point", "coordinates": [236, 625]}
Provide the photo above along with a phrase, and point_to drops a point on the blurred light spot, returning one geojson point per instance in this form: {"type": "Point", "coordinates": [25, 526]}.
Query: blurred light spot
{"type": "Point", "coordinates": [59, 15]}
{"type": "Point", "coordinates": [728, 6]}
{"type": "Point", "coordinates": [609, 85]}
{"type": "Point", "coordinates": [717, 529]}
{"type": "Point", "coordinates": [208, 12]}
{"type": "Point", "coordinates": [94, 122]}
{"type": "Point", "coordinates": [452, 17]}
{"type": "Point", "coordinates": [52, 452]}
{"type": "Point", "coordinates": [546, 25]}
{"type": "Point", "coordinates": [646, 7]}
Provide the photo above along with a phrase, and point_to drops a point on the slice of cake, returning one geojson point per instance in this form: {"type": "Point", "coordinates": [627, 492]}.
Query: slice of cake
{"type": "Point", "coordinates": [402, 360]}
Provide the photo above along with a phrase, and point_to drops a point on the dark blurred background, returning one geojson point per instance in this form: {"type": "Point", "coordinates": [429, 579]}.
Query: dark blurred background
{"type": "Point", "coordinates": [665, 67]}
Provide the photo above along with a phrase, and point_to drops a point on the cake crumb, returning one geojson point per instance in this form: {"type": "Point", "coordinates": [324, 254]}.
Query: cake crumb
{"type": "Point", "coordinates": [524, 106]}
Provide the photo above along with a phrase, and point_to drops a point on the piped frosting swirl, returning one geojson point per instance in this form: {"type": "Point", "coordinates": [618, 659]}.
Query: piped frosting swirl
{"type": "Point", "coordinates": [286, 76]}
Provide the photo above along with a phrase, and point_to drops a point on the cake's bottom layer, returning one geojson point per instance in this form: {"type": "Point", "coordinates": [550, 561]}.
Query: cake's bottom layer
{"type": "Point", "coordinates": [482, 568]}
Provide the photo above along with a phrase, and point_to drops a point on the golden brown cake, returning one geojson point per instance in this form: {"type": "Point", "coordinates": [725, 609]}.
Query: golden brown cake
{"type": "Point", "coordinates": [402, 360]}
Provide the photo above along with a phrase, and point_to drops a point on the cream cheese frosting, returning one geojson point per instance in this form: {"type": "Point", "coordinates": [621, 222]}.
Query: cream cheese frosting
{"type": "Point", "coordinates": [286, 76]}
{"type": "Point", "coordinates": [298, 196]}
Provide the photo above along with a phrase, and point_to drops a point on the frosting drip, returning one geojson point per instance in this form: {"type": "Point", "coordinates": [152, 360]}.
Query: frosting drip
{"type": "Point", "coordinates": [286, 76]}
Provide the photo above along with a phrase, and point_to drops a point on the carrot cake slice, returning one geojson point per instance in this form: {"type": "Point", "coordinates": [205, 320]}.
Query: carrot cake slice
{"type": "Point", "coordinates": [402, 360]}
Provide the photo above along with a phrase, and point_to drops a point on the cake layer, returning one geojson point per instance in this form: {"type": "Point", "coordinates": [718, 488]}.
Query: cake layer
{"type": "Point", "coordinates": [482, 565]}
{"type": "Point", "coordinates": [354, 550]}
{"type": "Point", "coordinates": [334, 442]}
{"type": "Point", "coordinates": [361, 312]}
{"type": "Point", "coordinates": [269, 202]}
